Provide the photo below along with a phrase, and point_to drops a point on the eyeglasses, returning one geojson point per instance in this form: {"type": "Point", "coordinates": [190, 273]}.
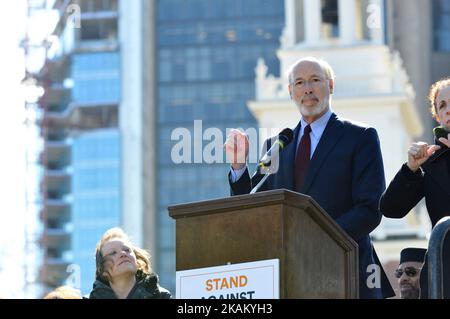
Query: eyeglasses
{"type": "Point", "coordinates": [409, 271]}
{"type": "Point", "coordinates": [315, 81]}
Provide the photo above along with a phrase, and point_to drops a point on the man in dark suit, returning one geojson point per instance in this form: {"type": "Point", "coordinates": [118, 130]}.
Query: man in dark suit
{"type": "Point", "coordinates": [335, 161]}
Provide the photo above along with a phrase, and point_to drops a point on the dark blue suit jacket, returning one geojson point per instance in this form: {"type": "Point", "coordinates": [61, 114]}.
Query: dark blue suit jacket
{"type": "Point", "coordinates": [346, 177]}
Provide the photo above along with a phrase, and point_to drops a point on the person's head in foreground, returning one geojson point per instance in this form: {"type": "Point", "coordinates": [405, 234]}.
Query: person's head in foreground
{"type": "Point", "coordinates": [64, 292]}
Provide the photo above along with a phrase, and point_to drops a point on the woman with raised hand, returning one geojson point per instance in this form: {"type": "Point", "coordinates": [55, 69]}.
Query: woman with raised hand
{"type": "Point", "coordinates": [426, 175]}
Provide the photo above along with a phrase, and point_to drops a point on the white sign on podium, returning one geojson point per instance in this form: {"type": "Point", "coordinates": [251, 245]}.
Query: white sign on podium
{"type": "Point", "coordinates": [252, 280]}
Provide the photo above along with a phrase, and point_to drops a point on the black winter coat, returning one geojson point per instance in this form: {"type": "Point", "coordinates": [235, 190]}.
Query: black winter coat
{"type": "Point", "coordinates": [146, 287]}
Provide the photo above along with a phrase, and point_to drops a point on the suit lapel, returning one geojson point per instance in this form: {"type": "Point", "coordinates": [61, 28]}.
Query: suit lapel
{"type": "Point", "coordinates": [438, 170]}
{"type": "Point", "coordinates": [331, 135]}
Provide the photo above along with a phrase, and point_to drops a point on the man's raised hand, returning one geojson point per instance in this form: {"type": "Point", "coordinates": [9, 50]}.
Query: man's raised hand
{"type": "Point", "coordinates": [236, 148]}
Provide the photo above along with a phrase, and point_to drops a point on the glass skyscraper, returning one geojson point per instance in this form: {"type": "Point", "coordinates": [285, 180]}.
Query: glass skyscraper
{"type": "Point", "coordinates": [96, 204]}
{"type": "Point", "coordinates": [207, 51]}
{"type": "Point", "coordinates": [81, 156]}
{"type": "Point", "coordinates": [96, 196]}
{"type": "Point", "coordinates": [441, 25]}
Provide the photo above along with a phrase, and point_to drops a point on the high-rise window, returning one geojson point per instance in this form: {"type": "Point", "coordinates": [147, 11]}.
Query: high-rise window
{"type": "Point", "coordinates": [330, 19]}
{"type": "Point", "coordinates": [96, 204]}
{"type": "Point", "coordinates": [96, 77]}
{"type": "Point", "coordinates": [441, 25]}
{"type": "Point", "coordinates": [98, 5]}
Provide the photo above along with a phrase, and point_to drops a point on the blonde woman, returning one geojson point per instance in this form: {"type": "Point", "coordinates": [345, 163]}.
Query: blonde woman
{"type": "Point", "coordinates": [123, 270]}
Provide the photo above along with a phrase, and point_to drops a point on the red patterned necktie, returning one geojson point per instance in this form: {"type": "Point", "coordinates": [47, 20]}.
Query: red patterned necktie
{"type": "Point", "coordinates": [302, 158]}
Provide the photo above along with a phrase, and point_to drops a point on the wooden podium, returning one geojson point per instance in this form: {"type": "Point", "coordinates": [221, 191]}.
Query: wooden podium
{"type": "Point", "coordinates": [317, 258]}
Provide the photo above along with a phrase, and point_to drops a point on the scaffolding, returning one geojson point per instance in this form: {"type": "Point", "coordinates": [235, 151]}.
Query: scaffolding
{"type": "Point", "coordinates": [35, 53]}
{"type": "Point", "coordinates": [60, 118]}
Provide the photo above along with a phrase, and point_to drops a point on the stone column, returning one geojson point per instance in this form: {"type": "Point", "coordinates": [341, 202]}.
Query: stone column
{"type": "Point", "coordinates": [312, 20]}
{"type": "Point", "coordinates": [290, 29]}
{"type": "Point", "coordinates": [347, 20]}
{"type": "Point", "coordinates": [375, 21]}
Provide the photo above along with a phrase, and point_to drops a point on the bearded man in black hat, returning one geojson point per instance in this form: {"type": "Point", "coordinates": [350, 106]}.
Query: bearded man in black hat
{"type": "Point", "coordinates": [408, 272]}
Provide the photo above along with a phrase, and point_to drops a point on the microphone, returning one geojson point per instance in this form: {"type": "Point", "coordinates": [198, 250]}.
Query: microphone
{"type": "Point", "coordinates": [284, 138]}
{"type": "Point", "coordinates": [265, 163]}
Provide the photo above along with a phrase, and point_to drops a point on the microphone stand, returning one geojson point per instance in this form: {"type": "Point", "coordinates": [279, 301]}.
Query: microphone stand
{"type": "Point", "coordinates": [284, 138]}
{"type": "Point", "coordinates": [255, 189]}
{"type": "Point", "coordinates": [266, 175]}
